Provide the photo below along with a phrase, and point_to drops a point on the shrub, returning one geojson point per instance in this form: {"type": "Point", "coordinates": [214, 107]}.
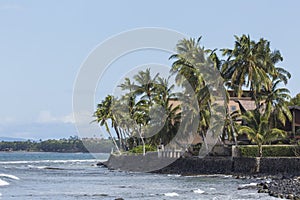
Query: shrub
{"type": "Point", "coordinates": [270, 150]}
{"type": "Point", "coordinates": [139, 149]}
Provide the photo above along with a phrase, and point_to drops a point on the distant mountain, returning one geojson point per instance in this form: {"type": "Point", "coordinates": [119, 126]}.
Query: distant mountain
{"type": "Point", "coordinates": [10, 139]}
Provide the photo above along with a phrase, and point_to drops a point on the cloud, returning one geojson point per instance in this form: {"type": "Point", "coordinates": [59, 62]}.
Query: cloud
{"type": "Point", "coordinates": [45, 116]}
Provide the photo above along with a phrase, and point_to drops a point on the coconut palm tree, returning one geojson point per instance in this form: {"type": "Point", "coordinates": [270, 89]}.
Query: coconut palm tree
{"type": "Point", "coordinates": [189, 55]}
{"type": "Point", "coordinates": [167, 114]}
{"type": "Point", "coordinates": [190, 68]}
{"type": "Point", "coordinates": [248, 65]}
{"type": "Point", "coordinates": [145, 85]}
{"type": "Point", "coordinates": [144, 99]}
{"type": "Point", "coordinates": [230, 130]}
{"type": "Point", "coordinates": [276, 104]}
{"type": "Point", "coordinates": [258, 130]}
{"type": "Point", "coordinates": [104, 114]}
{"type": "Point", "coordinates": [295, 101]}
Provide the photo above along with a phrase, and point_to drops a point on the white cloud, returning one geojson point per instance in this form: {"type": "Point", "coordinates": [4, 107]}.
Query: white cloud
{"type": "Point", "coordinates": [45, 116]}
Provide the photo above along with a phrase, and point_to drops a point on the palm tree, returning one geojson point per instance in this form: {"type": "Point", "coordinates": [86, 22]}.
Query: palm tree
{"type": "Point", "coordinates": [145, 85]}
{"type": "Point", "coordinates": [249, 65]}
{"type": "Point", "coordinates": [167, 115]}
{"type": "Point", "coordinates": [230, 130]}
{"type": "Point", "coordinates": [189, 54]}
{"type": "Point", "coordinates": [276, 104]}
{"type": "Point", "coordinates": [103, 114]}
{"type": "Point", "coordinates": [258, 130]}
{"type": "Point", "coordinates": [295, 101]}
{"type": "Point", "coordinates": [191, 66]}
{"type": "Point", "coordinates": [252, 65]}
{"type": "Point", "coordinates": [140, 100]}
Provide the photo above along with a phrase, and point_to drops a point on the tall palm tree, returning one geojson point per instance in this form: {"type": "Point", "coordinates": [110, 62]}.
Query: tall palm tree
{"type": "Point", "coordinates": [258, 130]}
{"type": "Point", "coordinates": [140, 100]}
{"type": "Point", "coordinates": [189, 54]}
{"type": "Point", "coordinates": [167, 115]}
{"type": "Point", "coordinates": [248, 65]}
{"type": "Point", "coordinates": [190, 68]}
{"type": "Point", "coordinates": [103, 114]}
{"type": "Point", "coordinates": [282, 75]}
{"type": "Point", "coordinates": [145, 84]}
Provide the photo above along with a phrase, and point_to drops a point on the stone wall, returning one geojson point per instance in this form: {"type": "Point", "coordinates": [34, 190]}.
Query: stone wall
{"type": "Point", "coordinates": [244, 165]}
{"type": "Point", "coordinates": [280, 165]}
{"type": "Point", "coordinates": [208, 165]}
{"type": "Point", "coordinates": [191, 166]}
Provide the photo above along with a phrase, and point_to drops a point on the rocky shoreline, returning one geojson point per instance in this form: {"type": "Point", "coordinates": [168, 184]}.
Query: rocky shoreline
{"type": "Point", "coordinates": [288, 188]}
{"type": "Point", "coordinates": [280, 186]}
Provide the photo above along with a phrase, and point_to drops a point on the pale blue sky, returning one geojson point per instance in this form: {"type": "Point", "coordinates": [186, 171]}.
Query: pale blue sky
{"type": "Point", "coordinates": [43, 44]}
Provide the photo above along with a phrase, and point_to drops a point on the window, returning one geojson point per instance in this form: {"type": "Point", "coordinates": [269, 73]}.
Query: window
{"type": "Point", "coordinates": [233, 108]}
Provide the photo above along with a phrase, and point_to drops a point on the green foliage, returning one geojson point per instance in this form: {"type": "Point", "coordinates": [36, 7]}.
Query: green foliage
{"type": "Point", "coordinates": [269, 151]}
{"type": "Point", "coordinates": [139, 149]}
{"type": "Point", "coordinates": [147, 106]}
{"type": "Point", "coordinates": [295, 101]}
{"type": "Point", "coordinates": [258, 129]}
{"type": "Point", "coordinates": [73, 144]}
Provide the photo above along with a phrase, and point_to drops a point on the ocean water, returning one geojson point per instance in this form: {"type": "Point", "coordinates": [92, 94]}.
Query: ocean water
{"type": "Point", "coordinates": [55, 176]}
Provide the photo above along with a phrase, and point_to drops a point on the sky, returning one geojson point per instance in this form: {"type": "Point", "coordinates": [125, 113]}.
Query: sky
{"type": "Point", "coordinates": [43, 44]}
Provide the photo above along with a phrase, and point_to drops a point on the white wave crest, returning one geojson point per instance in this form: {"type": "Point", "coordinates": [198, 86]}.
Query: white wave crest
{"type": "Point", "coordinates": [248, 185]}
{"type": "Point", "coordinates": [198, 191]}
{"type": "Point", "coordinates": [9, 176]}
{"type": "Point", "coordinates": [209, 175]}
{"type": "Point", "coordinates": [3, 183]}
{"type": "Point", "coordinates": [171, 194]}
{"type": "Point", "coordinates": [174, 175]}
{"type": "Point", "coordinates": [46, 161]}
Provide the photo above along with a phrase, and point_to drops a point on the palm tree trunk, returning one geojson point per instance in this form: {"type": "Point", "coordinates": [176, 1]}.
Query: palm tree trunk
{"type": "Point", "coordinates": [115, 143]}
{"type": "Point", "coordinates": [260, 151]}
{"type": "Point", "coordinates": [143, 142]}
{"type": "Point", "coordinates": [144, 148]}
{"type": "Point", "coordinates": [234, 133]}
{"type": "Point", "coordinates": [118, 135]}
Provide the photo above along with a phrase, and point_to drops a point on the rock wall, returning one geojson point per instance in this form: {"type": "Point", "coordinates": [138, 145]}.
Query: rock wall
{"type": "Point", "coordinates": [191, 166]}
{"type": "Point", "coordinates": [208, 165]}
{"type": "Point", "coordinates": [282, 165]}
{"type": "Point", "coordinates": [244, 165]}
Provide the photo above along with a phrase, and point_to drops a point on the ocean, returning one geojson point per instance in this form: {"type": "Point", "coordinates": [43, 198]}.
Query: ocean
{"type": "Point", "coordinates": [55, 176]}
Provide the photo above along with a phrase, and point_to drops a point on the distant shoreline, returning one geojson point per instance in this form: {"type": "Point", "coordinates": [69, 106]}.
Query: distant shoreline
{"type": "Point", "coordinates": [44, 152]}
{"type": "Point", "coordinates": [71, 145]}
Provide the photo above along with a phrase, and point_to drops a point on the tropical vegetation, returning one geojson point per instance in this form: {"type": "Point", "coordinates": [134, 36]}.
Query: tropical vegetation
{"type": "Point", "coordinates": [148, 113]}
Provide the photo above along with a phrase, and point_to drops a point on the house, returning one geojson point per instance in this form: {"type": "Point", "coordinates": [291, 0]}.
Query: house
{"type": "Point", "coordinates": [246, 103]}
{"type": "Point", "coordinates": [243, 103]}
{"type": "Point", "coordinates": [294, 125]}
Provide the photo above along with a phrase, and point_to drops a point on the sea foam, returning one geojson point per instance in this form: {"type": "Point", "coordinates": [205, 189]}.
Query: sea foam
{"type": "Point", "coordinates": [171, 194]}
{"type": "Point", "coordinates": [198, 191]}
{"type": "Point", "coordinates": [45, 161]}
{"type": "Point", "coordinates": [9, 176]}
{"type": "Point", "coordinates": [3, 183]}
